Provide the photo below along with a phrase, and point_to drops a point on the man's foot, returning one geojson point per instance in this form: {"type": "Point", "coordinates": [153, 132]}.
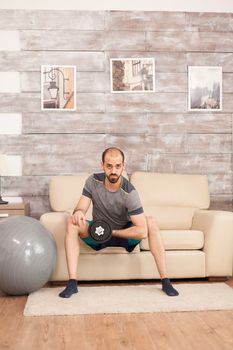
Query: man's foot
{"type": "Point", "coordinates": [167, 288]}
{"type": "Point", "coordinates": [71, 288]}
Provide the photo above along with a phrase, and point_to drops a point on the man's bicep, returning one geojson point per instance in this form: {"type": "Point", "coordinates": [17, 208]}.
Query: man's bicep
{"type": "Point", "coordinates": [139, 220]}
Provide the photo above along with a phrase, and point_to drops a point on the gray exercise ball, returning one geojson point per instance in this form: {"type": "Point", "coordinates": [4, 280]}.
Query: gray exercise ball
{"type": "Point", "coordinates": [27, 255]}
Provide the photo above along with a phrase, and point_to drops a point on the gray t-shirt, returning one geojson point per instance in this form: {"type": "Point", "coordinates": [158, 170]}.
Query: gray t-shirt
{"type": "Point", "coordinates": [114, 207]}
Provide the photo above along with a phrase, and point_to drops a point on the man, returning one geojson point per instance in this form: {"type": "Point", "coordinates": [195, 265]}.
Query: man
{"type": "Point", "coordinates": [116, 200]}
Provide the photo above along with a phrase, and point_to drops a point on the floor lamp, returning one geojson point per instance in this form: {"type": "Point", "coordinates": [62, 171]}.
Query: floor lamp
{"type": "Point", "coordinates": [3, 171]}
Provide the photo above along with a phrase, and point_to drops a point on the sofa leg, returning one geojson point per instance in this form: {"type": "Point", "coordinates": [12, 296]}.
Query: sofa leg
{"type": "Point", "coordinates": [218, 279]}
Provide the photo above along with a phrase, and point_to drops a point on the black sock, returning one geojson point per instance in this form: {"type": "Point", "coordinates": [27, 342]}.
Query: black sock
{"type": "Point", "coordinates": [167, 287]}
{"type": "Point", "coordinates": [71, 288]}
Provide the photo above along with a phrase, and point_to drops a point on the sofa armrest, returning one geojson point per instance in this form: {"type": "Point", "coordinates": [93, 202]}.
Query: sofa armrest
{"type": "Point", "coordinates": [217, 227]}
{"type": "Point", "coordinates": [55, 222]}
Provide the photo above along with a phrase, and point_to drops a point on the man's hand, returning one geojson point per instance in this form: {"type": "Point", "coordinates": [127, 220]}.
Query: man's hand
{"type": "Point", "coordinates": [78, 218]}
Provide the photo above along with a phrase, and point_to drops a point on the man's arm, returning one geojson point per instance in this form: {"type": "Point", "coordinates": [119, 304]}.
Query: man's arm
{"type": "Point", "coordinates": [78, 217]}
{"type": "Point", "coordinates": [138, 231]}
{"type": "Point", "coordinates": [83, 205]}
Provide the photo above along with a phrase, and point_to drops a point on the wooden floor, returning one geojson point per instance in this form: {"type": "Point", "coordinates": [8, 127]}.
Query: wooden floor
{"type": "Point", "coordinates": [206, 330]}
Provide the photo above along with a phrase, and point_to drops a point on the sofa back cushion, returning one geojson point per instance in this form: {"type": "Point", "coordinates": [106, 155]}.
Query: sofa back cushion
{"type": "Point", "coordinates": [171, 218]}
{"type": "Point", "coordinates": [172, 198]}
{"type": "Point", "coordinates": [65, 191]}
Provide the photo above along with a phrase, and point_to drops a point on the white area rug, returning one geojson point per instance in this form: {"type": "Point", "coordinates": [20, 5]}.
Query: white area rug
{"type": "Point", "coordinates": [130, 299]}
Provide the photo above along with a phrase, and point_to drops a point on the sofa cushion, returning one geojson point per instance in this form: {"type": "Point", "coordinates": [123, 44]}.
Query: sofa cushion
{"type": "Point", "coordinates": [171, 198]}
{"type": "Point", "coordinates": [172, 218]}
{"type": "Point", "coordinates": [179, 240]}
{"type": "Point", "coordinates": [65, 191]}
{"type": "Point", "coordinates": [172, 190]}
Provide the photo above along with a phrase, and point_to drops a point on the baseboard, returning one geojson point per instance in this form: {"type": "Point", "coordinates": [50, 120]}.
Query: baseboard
{"type": "Point", "coordinates": [218, 279]}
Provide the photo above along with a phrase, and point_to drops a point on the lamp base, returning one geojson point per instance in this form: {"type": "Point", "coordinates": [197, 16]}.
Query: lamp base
{"type": "Point", "coordinates": [2, 201]}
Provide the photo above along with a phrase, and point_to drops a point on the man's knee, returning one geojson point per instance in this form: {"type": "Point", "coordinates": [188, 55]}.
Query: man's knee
{"type": "Point", "coordinates": [72, 228]}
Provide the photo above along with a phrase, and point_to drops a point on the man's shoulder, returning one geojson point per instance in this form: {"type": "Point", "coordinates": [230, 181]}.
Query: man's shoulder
{"type": "Point", "coordinates": [99, 177]}
{"type": "Point", "coordinates": [126, 186]}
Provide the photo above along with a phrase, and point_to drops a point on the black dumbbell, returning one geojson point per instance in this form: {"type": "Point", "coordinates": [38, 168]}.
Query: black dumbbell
{"type": "Point", "coordinates": [100, 231]}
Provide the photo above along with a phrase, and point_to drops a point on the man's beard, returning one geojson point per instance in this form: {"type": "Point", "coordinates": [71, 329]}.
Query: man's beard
{"type": "Point", "coordinates": [113, 178]}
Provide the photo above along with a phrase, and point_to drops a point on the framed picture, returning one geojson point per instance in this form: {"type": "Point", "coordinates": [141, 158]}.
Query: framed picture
{"type": "Point", "coordinates": [58, 88]}
{"type": "Point", "coordinates": [132, 75]}
{"type": "Point", "coordinates": [205, 88]}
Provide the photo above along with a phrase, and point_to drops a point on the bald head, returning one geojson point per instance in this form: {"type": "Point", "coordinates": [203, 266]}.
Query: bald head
{"type": "Point", "coordinates": [113, 152]}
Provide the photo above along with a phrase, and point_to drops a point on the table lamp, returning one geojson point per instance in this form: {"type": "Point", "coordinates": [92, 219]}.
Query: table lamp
{"type": "Point", "coordinates": [3, 172]}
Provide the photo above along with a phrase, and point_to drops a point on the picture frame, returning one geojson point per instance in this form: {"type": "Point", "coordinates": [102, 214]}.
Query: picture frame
{"type": "Point", "coordinates": [58, 87]}
{"type": "Point", "coordinates": [132, 75]}
{"type": "Point", "coordinates": [205, 88]}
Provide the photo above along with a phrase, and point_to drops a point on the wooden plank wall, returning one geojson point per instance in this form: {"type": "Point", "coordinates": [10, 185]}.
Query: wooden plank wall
{"type": "Point", "coordinates": [155, 130]}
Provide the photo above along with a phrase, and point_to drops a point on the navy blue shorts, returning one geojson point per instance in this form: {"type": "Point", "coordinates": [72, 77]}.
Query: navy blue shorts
{"type": "Point", "coordinates": [128, 243]}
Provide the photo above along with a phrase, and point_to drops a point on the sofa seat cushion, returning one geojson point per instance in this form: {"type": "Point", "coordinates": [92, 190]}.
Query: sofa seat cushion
{"type": "Point", "coordinates": [179, 240]}
{"type": "Point", "coordinates": [85, 249]}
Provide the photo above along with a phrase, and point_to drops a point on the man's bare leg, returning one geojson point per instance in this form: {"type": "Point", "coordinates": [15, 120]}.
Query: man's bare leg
{"type": "Point", "coordinates": [72, 253]}
{"type": "Point", "coordinates": [157, 250]}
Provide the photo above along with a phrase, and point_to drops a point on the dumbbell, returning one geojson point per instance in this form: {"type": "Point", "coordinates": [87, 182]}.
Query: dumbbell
{"type": "Point", "coordinates": [100, 231]}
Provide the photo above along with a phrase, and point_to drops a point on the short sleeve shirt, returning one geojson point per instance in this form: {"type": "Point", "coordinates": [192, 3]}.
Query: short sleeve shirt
{"type": "Point", "coordinates": [114, 207]}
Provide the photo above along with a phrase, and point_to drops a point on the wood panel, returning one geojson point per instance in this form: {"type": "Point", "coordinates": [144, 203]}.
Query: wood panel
{"type": "Point", "coordinates": [82, 40]}
{"type": "Point", "coordinates": [30, 102]}
{"type": "Point", "coordinates": [225, 60]}
{"type": "Point", "coordinates": [38, 205]}
{"type": "Point", "coordinates": [148, 144]}
{"type": "Point", "coordinates": [51, 143]}
{"type": "Point", "coordinates": [221, 183]}
{"type": "Point", "coordinates": [189, 41]}
{"type": "Point", "coordinates": [136, 102]}
{"type": "Point", "coordinates": [222, 201]}
{"type": "Point", "coordinates": [145, 21]}
{"type": "Point", "coordinates": [168, 41]}
{"type": "Point", "coordinates": [209, 123]}
{"type": "Point", "coordinates": [209, 143]}
{"type": "Point", "coordinates": [126, 123]}
{"type": "Point", "coordinates": [171, 82]}
{"type": "Point", "coordinates": [52, 20]}
{"type": "Point", "coordinates": [84, 123]}
{"type": "Point", "coordinates": [25, 186]}
{"type": "Point", "coordinates": [209, 22]}
{"type": "Point", "coordinates": [199, 123]}
{"type": "Point", "coordinates": [166, 123]}
{"type": "Point", "coordinates": [190, 164]}
{"type": "Point", "coordinates": [155, 130]}
{"type": "Point", "coordinates": [27, 61]}
{"type": "Point", "coordinates": [62, 164]}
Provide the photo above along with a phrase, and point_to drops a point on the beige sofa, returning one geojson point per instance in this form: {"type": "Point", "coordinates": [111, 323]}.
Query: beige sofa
{"type": "Point", "coordinates": [198, 241]}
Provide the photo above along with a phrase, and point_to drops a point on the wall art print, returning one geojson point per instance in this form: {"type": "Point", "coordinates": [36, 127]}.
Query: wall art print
{"type": "Point", "coordinates": [132, 75]}
{"type": "Point", "coordinates": [58, 87]}
{"type": "Point", "coordinates": [205, 88]}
